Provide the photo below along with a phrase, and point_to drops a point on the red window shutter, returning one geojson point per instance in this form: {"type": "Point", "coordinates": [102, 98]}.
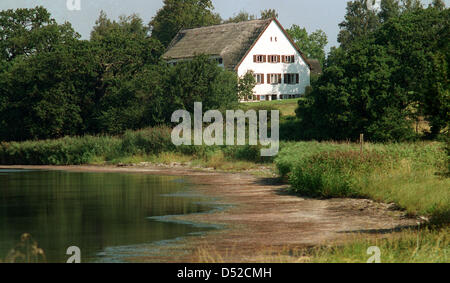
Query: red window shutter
{"type": "Point", "coordinates": [262, 78]}
{"type": "Point", "coordinates": [292, 59]}
{"type": "Point", "coordinates": [268, 78]}
{"type": "Point", "coordinates": [254, 58]}
{"type": "Point", "coordinates": [264, 59]}
{"type": "Point", "coordinates": [283, 59]}
{"type": "Point", "coordinates": [298, 78]}
{"type": "Point", "coordinates": [279, 78]}
{"type": "Point", "coordinates": [278, 59]}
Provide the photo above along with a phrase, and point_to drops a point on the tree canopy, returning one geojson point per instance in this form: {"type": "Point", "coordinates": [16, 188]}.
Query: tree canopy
{"type": "Point", "coordinates": [312, 45]}
{"type": "Point", "coordinates": [53, 84]}
{"type": "Point", "coordinates": [379, 83]}
{"type": "Point", "coordinates": [181, 14]}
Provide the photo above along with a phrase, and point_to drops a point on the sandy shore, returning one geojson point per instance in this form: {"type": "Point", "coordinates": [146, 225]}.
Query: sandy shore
{"type": "Point", "coordinates": [261, 220]}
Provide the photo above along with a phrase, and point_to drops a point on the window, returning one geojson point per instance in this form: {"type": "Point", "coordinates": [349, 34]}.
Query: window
{"type": "Point", "coordinates": [274, 79]}
{"type": "Point", "coordinates": [259, 58]}
{"type": "Point", "coordinates": [274, 58]}
{"type": "Point", "coordinates": [288, 59]}
{"type": "Point", "coordinates": [291, 78]}
{"type": "Point", "coordinates": [259, 78]}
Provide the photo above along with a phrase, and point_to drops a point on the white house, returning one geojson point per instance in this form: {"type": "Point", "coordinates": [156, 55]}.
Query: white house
{"type": "Point", "coordinates": [260, 46]}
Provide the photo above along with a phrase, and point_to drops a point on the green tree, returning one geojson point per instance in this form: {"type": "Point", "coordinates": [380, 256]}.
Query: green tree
{"type": "Point", "coordinates": [389, 9]}
{"type": "Point", "coordinates": [438, 4]}
{"type": "Point", "coordinates": [246, 85]}
{"type": "Point", "coordinates": [411, 5]}
{"type": "Point", "coordinates": [43, 80]}
{"type": "Point", "coordinates": [242, 16]}
{"type": "Point", "coordinates": [312, 45]}
{"type": "Point", "coordinates": [269, 14]}
{"type": "Point", "coordinates": [125, 54]}
{"type": "Point", "coordinates": [44, 94]}
{"type": "Point", "coordinates": [199, 80]}
{"type": "Point", "coordinates": [383, 81]}
{"type": "Point", "coordinates": [30, 31]}
{"type": "Point", "coordinates": [359, 22]}
{"type": "Point", "coordinates": [181, 14]}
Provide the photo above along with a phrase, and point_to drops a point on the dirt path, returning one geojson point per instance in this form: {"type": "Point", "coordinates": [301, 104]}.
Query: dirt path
{"type": "Point", "coordinates": [262, 220]}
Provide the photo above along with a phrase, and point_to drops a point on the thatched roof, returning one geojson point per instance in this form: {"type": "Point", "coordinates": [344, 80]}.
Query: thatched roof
{"type": "Point", "coordinates": [316, 67]}
{"type": "Point", "coordinates": [229, 41]}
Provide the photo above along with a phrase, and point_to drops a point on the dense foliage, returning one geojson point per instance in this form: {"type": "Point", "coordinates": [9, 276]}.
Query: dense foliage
{"type": "Point", "coordinates": [53, 84]}
{"type": "Point", "coordinates": [382, 80]}
{"type": "Point", "coordinates": [181, 14]}
{"type": "Point", "coordinates": [312, 45]}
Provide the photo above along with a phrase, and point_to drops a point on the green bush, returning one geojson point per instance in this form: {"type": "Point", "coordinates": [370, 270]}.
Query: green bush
{"type": "Point", "coordinates": [332, 174]}
{"type": "Point", "coordinates": [408, 174]}
{"type": "Point", "coordinates": [147, 141]}
{"type": "Point", "coordinates": [65, 151]}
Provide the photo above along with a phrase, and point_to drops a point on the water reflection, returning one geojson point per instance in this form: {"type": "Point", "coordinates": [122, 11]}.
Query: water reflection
{"type": "Point", "coordinates": [94, 211]}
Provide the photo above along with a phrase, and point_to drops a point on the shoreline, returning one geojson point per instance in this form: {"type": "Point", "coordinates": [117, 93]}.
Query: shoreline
{"type": "Point", "coordinates": [259, 217]}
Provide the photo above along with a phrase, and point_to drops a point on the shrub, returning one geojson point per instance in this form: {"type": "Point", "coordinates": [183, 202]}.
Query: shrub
{"type": "Point", "coordinates": [64, 151]}
{"type": "Point", "coordinates": [147, 141]}
{"type": "Point", "coordinates": [332, 174]}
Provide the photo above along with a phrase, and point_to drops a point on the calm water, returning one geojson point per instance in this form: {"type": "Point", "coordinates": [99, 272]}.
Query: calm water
{"type": "Point", "coordinates": [101, 213]}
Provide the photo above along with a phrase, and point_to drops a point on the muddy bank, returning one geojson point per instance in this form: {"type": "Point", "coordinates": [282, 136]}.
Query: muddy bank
{"type": "Point", "coordinates": [261, 219]}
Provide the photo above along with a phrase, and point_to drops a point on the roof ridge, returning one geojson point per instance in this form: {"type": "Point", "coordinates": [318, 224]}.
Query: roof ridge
{"type": "Point", "coordinates": [227, 24]}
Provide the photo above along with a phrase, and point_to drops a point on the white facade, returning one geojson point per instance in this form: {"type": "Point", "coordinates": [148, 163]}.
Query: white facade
{"type": "Point", "coordinates": [274, 42]}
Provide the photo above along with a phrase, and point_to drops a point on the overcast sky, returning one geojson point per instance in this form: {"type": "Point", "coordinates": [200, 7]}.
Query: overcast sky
{"type": "Point", "coordinates": [311, 14]}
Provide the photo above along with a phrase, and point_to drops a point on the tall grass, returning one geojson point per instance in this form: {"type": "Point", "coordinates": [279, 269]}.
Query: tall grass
{"type": "Point", "coordinates": [407, 174]}
{"type": "Point", "coordinates": [422, 246]}
{"type": "Point", "coordinates": [141, 145]}
{"type": "Point", "coordinates": [65, 151]}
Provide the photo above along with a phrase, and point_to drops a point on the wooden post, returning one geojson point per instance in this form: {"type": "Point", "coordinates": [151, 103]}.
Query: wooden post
{"type": "Point", "coordinates": [361, 142]}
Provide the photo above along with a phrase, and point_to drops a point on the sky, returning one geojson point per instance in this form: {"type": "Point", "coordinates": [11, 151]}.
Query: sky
{"type": "Point", "coordinates": [311, 14]}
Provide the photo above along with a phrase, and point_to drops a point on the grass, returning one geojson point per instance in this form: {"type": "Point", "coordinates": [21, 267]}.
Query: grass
{"type": "Point", "coordinates": [286, 107]}
{"type": "Point", "coordinates": [415, 176]}
{"type": "Point", "coordinates": [407, 174]}
{"type": "Point", "coordinates": [425, 245]}
{"type": "Point", "coordinates": [410, 246]}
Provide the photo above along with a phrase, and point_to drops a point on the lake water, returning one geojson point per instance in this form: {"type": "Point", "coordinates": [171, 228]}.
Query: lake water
{"type": "Point", "coordinates": [101, 213]}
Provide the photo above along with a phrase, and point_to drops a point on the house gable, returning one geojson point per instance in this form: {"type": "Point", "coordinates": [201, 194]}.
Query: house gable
{"type": "Point", "coordinates": [276, 57]}
{"type": "Point", "coordinates": [262, 35]}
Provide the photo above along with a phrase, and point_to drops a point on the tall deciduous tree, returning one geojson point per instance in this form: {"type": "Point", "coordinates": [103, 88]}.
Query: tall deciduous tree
{"type": "Point", "coordinates": [242, 16]}
{"type": "Point", "coordinates": [30, 31]}
{"type": "Point", "coordinates": [383, 81]}
{"type": "Point", "coordinates": [438, 4]}
{"type": "Point", "coordinates": [389, 9]}
{"type": "Point", "coordinates": [181, 14]}
{"type": "Point", "coordinates": [42, 80]}
{"type": "Point", "coordinates": [269, 14]}
{"type": "Point", "coordinates": [312, 45]}
{"type": "Point", "coordinates": [124, 54]}
{"type": "Point", "coordinates": [359, 21]}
